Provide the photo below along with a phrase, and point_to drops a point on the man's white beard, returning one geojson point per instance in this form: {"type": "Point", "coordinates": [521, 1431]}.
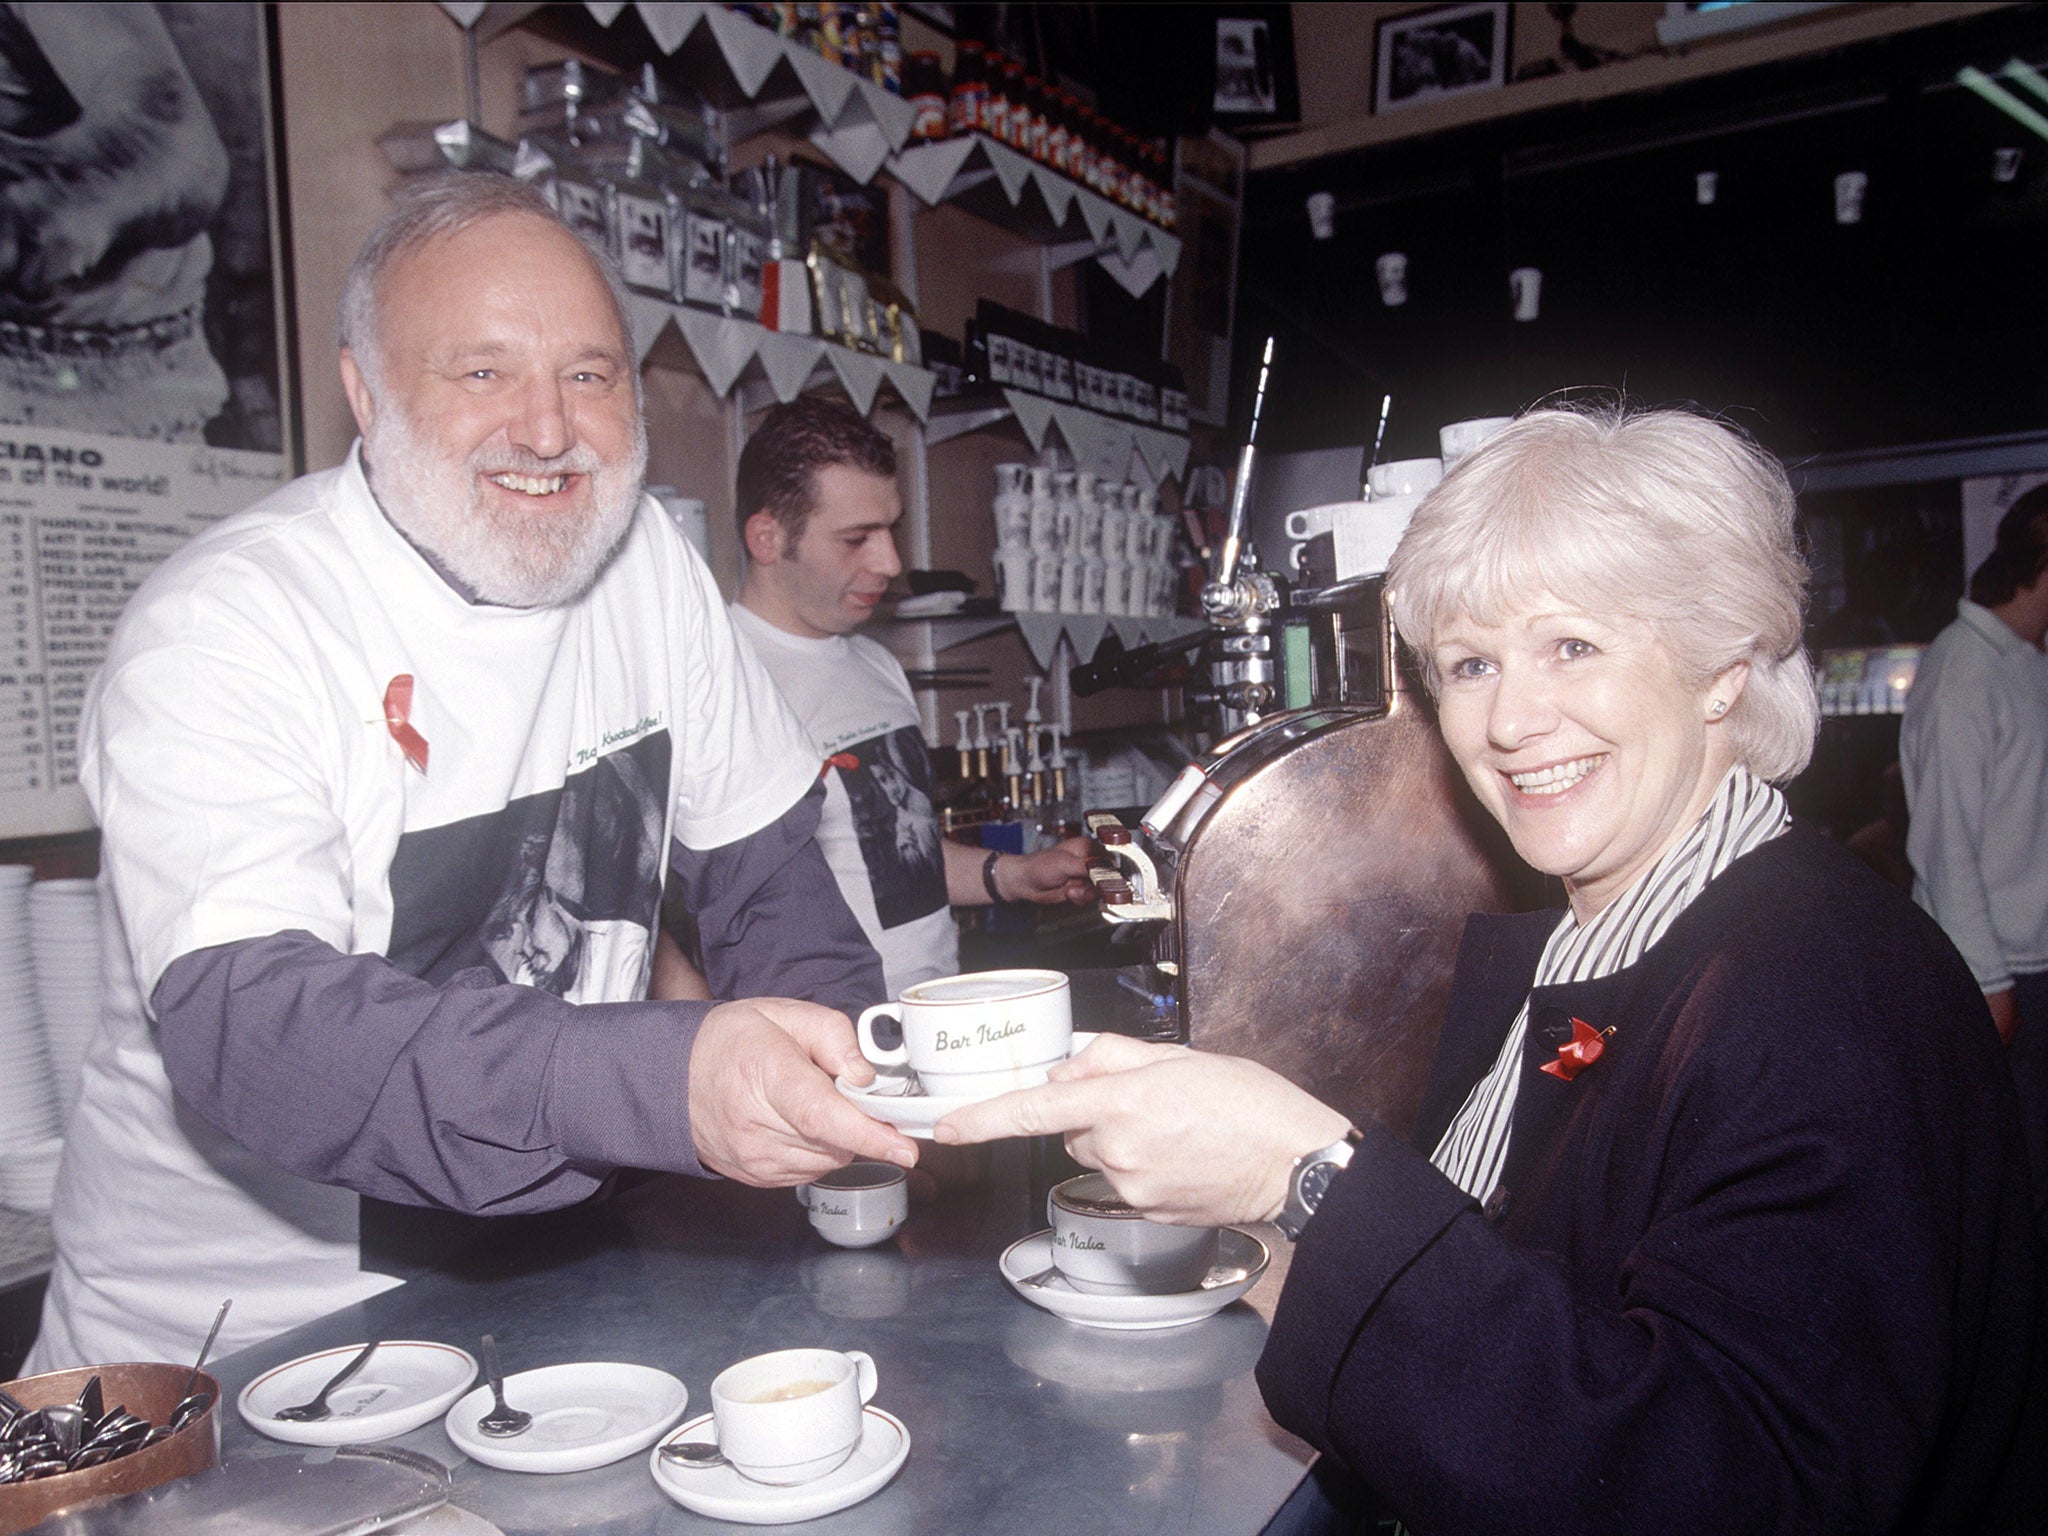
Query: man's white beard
{"type": "Point", "coordinates": [516, 560]}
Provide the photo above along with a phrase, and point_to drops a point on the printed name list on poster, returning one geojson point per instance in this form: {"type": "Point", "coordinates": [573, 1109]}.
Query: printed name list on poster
{"type": "Point", "coordinates": [83, 519]}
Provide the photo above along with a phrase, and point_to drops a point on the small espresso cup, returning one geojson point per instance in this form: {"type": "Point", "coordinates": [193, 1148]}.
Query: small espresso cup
{"type": "Point", "coordinates": [979, 1034]}
{"type": "Point", "coordinates": [791, 1416]}
{"type": "Point", "coordinates": [859, 1205]}
{"type": "Point", "coordinates": [1101, 1246]}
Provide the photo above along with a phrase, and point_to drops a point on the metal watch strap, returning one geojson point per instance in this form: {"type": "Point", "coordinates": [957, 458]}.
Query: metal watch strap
{"type": "Point", "coordinates": [1310, 1178]}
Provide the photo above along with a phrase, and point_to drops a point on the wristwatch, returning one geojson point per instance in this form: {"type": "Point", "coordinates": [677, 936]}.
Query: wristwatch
{"type": "Point", "coordinates": [1310, 1180]}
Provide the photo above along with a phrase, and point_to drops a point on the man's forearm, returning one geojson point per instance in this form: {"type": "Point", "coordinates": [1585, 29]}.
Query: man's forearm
{"type": "Point", "coordinates": [474, 1096]}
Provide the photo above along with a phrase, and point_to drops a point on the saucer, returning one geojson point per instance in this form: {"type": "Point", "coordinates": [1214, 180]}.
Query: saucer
{"type": "Point", "coordinates": [583, 1416]}
{"type": "Point", "coordinates": [722, 1494]}
{"type": "Point", "coordinates": [405, 1383]}
{"type": "Point", "coordinates": [894, 1098]}
{"type": "Point", "coordinates": [1241, 1259]}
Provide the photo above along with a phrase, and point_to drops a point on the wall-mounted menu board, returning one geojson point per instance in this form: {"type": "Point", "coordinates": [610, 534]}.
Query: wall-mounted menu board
{"type": "Point", "coordinates": [83, 519]}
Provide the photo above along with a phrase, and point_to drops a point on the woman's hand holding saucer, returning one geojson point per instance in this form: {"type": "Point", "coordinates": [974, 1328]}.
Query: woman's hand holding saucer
{"type": "Point", "coordinates": [1185, 1137]}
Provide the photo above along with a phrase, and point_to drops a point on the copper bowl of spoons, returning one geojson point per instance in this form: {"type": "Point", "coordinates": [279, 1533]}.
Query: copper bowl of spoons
{"type": "Point", "coordinates": [108, 1456]}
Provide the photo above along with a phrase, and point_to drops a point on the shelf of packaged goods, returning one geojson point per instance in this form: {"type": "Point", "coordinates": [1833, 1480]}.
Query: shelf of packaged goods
{"type": "Point", "coordinates": [1107, 445]}
{"type": "Point", "coordinates": [756, 77]}
{"type": "Point", "coordinates": [996, 183]}
{"type": "Point", "coordinates": [730, 352]}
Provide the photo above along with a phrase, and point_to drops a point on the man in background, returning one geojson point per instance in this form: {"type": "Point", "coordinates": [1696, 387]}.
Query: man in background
{"type": "Point", "coordinates": [392, 770]}
{"type": "Point", "coordinates": [1974, 751]}
{"type": "Point", "coordinates": [817, 506]}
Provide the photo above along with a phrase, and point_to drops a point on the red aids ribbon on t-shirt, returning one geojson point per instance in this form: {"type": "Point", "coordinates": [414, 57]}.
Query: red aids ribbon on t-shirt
{"type": "Point", "coordinates": [845, 762]}
{"type": "Point", "coordinates": [1580, 1052]}
{"type": "Point", "coordinates": [397, 713]}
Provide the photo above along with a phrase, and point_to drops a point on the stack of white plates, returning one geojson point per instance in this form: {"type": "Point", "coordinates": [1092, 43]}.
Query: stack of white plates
{"type": "Point", "coordinates": [64, 937]}
{"type": "Point", "coordinates": [28, 1174]}
{"type": "Point", "coordinates": [28, 1098]}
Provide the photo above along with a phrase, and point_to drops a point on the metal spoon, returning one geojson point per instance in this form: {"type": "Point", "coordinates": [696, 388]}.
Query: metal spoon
{"type": "Point", "coordinates": [501, 1423]}
{"type": "Point", "coordinates": [316, 1409]}
{"type": "Point", "coordinates": [693, 1453]}
{"type": "Point", "coordinates": [192, 1404]}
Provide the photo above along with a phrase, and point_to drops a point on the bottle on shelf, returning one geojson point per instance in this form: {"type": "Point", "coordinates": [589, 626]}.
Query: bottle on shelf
{"type": "Point", "coordinates": [967, 101]}
{"type": "Point", "coordinates": [924, 86]}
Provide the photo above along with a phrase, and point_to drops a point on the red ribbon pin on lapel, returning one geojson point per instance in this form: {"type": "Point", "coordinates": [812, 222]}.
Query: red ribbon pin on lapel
{"type": "Point", "coordinates": [397, 716]}
{"type": "Point", "coordinates": [1580, 1052]}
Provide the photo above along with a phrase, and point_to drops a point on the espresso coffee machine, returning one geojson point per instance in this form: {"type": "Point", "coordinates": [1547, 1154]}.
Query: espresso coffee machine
{"type": "Point", "coordinates": [1305, 884]}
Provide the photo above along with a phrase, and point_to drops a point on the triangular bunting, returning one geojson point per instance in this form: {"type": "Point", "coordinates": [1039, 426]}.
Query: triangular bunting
{"type": "Point", "coordinates": [861, 374]}
{"type": "Point", "coordinates": [1095, 211]}
{"type": "Point", "coordinates": [1057, 191]}
{"type": "Point", "coordinates": [826, 84]}
{"type": "Point", "coordinates": [892, 114]}
{"type": "Point", "coordinates": [1033, 414]}
{"type": "Point", "coordinates": [668, 21]}
{"type": "Point", "coordinates": [858, 148]}
{"type": "Point", "coordinates": [750, 50]}
{"type": "Point", "coordinates": [1011, 169]}
{"type": "Point", "coordinates": [464, 12]}
{"type": "Point", "coordinates": [789, 362]}
{"type": "Point", "coordinates": [929, 169]}
{"type": "Point", "coordinates": [648, 318]}
{"type": "Point", "coordinates": [722, 347]}
{"type": "Point", "coordinates": [1130, 232]}
{"type": "Point", "coordinates": [1135, 275]}
{"type": "Point", "coordinates": [914, 385]}
{"type": "Point", "coordinates": [604, 12]}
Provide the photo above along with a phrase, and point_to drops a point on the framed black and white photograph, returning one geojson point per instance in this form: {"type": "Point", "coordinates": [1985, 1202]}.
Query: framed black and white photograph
{"type": "Point", "coordinates": [1253, 81]}
{"type": "Point", "coordinates": [1244, 66]}
{"type": "Point", "coordinates": [1451, 50]}
{"type": "Point", "coordinates": [140, 264]}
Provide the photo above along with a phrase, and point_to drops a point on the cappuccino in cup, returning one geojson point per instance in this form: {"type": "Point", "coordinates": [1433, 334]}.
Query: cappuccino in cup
{"type": "Point", "coordinates": [791, 1416]}
{"type": "Point", "coordinates": [1102, 1246]}
{"type": "Point", "coordinates": [979, 1034]}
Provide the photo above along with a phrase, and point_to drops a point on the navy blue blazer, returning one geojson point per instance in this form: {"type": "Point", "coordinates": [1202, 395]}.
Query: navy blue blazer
{"type": "Point", "coordinates": [1766, 1265]}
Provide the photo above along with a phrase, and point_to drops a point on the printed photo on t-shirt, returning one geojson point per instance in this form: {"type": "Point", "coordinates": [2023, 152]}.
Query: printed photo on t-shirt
{"type": "Point", "coordinates": [557, 891]}
{"type": "Point", "coordinates": [890, 790]}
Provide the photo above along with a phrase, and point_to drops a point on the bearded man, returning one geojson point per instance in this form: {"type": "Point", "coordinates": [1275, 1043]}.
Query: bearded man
{"type": "Point", "coordinates": [391, 769]}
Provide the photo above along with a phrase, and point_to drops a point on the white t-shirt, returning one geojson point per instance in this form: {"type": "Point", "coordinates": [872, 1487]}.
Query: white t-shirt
{"type": "Point", "coordinates": [879, 830]}
{"type": "Point", "coordinates": [237, 752]}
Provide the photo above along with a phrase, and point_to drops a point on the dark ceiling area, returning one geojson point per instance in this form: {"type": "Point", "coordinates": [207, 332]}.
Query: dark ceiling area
{"type": "Point", "coordinates": [1925, 321]}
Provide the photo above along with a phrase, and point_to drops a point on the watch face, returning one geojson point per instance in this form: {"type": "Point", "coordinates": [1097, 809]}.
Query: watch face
{"type": "Point", "coordinates": [1315, 1182]}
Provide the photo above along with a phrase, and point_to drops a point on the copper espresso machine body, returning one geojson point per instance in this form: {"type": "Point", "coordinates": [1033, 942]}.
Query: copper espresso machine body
{"type": "Point", "coordinates": [1321, 865]}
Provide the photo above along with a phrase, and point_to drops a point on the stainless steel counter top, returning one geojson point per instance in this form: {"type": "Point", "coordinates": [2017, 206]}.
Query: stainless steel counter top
{"type": "Point", "coordinates": [1020, 1423]}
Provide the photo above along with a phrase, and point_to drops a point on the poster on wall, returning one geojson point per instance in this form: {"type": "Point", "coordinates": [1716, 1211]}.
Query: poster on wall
{"type": "Point", "coordinates": [144, 390]}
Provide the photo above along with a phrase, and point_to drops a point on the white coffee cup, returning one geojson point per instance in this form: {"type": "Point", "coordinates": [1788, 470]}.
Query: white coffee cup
{"type": "Point", "coordinates": [978, 1034]}
{"type": "Point", "coordinates": [1461, 437]}
{"type": "Point", "coordinates": [1404, 477]}
{"type": "Point", "coordinates": [1101, 1246]}
{"type": "Point", "coordinates": [1304, 523]}
{"type": "Point", "coordinates": [859, 1205]}
{"type": "Point", "coordinates": [791, 1416]}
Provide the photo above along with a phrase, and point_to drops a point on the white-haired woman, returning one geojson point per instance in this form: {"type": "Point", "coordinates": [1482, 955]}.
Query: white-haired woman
{"type": "Point", "coordinates": [1716, 1217]}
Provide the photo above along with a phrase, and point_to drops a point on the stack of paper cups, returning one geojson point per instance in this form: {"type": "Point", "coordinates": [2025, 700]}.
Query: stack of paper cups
{"type": "Point", "coordinates": [64, 934]}
{"type": "Point", "coordinates": [29, 1116]}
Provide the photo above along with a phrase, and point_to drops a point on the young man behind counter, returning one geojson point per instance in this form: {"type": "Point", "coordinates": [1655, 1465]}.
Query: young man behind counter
{"type": "Point", "coordinates": [817, 506]}
{"type": "Point", "coordinates": [391, 771]}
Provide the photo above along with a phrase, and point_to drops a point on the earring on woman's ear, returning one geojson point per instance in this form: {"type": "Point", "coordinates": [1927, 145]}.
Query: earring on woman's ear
{"type": "Point", "coordinates": [1718, 707]}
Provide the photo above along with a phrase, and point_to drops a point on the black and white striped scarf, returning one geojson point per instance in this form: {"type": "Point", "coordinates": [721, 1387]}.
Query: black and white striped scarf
{"type": "Point", "coordinates": [1745, 814]}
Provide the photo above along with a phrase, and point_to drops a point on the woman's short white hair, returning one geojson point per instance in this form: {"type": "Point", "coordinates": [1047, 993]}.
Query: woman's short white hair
{"type": "Point", "coordinates": [1664, 517]}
